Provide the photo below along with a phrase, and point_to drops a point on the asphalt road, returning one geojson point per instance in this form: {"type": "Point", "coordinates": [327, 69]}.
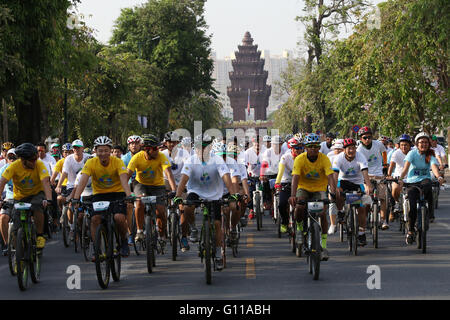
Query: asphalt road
{"type": "Point", "coordinates": [264, 269]}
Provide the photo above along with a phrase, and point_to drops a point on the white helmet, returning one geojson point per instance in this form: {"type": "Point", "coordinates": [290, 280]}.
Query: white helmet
{"type": "Point", "coordinates": [103, 141]}
{"type": "Point", "coordinates": [277, 140]}
{"type": "Point", "coordinates": [422, 135]}
{"type": "Point", "coordinates": [337, 144]}
{"type": "Point", "coordinates": [134, 138]}
{"type": "Point", "coordinates": [186, 141]}
{"type": "Point", "coordinates": [267, 139]}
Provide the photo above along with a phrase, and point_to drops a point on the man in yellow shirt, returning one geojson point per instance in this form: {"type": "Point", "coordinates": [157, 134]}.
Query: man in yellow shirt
{"type": "Point", "coordinates": [31, 184]}
{"type": "Point", "coordinates": [311, 175]}
{"type": "Point", "coordinates": [109, 183]}
{"type": "Point", "coordinates": [66, 151]}
{"type": "Point", "coordinates": [149, 165]}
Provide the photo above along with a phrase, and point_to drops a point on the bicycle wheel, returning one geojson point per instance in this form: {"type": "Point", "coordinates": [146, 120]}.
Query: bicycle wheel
{"type": "Point", "coordinates": [341, 232]}
{"type": "Point", "coordinates": [235, 244]}
{"type": "Point", "coordinates": [257, 205]}
{"type": "Point", "coordinates": [355, 231]}
{"type": "Point", "coordinates": [65, 227]}
{"type": "Point", "coordinates": [316, 248]}
{"type": "Point", "coordinates": [150, 249]}
{"type": "Point", "coordinates": [375, 222]}
{"type": "Point", "coordinates": [102, 265]}
{"type": "Point", "coordinates": [350, 231]}
{"type": "Point", "coordinates": [35, 257]}
{"type": "Point", "coordinates": [292, 233]}
{"type": "Point", "coordinates": [224, 240]}
{"type": "Point", "coordinates": [174, 234]}
{"type": "Point", "coordinates": [207, 245]}
{"type": "Point", "coordinates": [12, 260]}
{"type": "Point", "coordinates": [23, 262]}
{"type": "Point", "coordinates": [277, 216]}
{"type": "Point", "coordinates": [75, 230]}
{"type": "Point", "coordinates": [115, 258]}
{"type": "Point", "coordinates": [86, 244]}
{"type": "Point", "coordinates": [424, 216]}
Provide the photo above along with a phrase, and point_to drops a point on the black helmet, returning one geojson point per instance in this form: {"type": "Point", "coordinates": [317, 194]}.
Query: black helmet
{"type": "Point", "coordinates": [26, 151]}
{"type": "Point", "coordinates": [331, 135]}
{"type": "Point", "coordinates": [172, 136]}
{"type": "Point", "coordinates": [150, 140]}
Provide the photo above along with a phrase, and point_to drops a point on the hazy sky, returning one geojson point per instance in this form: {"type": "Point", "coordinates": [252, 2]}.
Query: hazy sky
{"type": "Point", "coordinates": [271, 22]}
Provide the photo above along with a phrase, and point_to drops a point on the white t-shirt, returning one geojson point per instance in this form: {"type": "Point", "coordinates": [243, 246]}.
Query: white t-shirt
{"type": "Point", "coordinates": [241, 165]}
{"type": "Point", "coordinates": [177, 162]}
{"type": "Point", "coordinates": [374, 157]}
{"type": "Point", "coordinates": [234, 169]}
{"type": "Point", "coordinates": [324, 148]}
{"type": "Point", "coordinates": [399, 158]}
{"type": "Point", "coordinates": [253, 162]}
{"type": "Point", "coordinates": [273, 159]}
{"type": "Point", "coordinates": [331, 155]}
{"type": "Point", "coordinates": [49, 162]}
{"type": "Point", "coordinates": [88, 189]}
{"type": "Point", "coordinates": [72, 167]}
{"type": "Point", "coordinates": [439, 151]}
{"type": "Point", "coordinates": [350, 171]}
{"type": "Point", "coordinates": [288, 161]}
{"type": "Point", "coordinates": [284, 148]}
{"type": "Point", "coordinates": [2, 162]}
{"type": "Point", "coordinates": [205, 179]}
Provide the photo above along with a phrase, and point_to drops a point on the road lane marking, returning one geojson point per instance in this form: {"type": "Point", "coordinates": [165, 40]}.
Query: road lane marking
{"type": "Point", "coordinates": [250, 240]}
{"type": "Point", "coordinates": [446, 226]}
{"type": "Point", "coordinates": [250, 272]}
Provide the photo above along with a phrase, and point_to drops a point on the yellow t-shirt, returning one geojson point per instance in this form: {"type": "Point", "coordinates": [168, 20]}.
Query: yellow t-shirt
{"type": "Point", "coordinates": [105, 179]}
{"type": "Point", "coordinates": [313, 175]}
{"type": "Point", "coordinates": [149, 172]}
{"type": "Point", "coordinates": [27, 182]}
{"type": "Point", "coordinates": [58, 168]}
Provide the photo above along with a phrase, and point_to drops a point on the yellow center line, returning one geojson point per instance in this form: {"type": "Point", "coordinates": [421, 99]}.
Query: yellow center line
{"type": "Point", "coordinates": [250, 272]}
{"type": "Point", "coordinates": [250, 240]}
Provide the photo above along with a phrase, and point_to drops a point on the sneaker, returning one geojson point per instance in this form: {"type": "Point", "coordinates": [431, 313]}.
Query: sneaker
{"type": "Point", "coordinates": [324, 255]}
{"type": "Point", "coordinates": [243, 221]}
{"type": "Point", "coordinates": [283, 228]}
{"type": "Point", "coordinates": [409, 238]}
{"type": "Point", "coordinates": [5, 250]}
{"type": "Point", "coordinates": [362, 241]}
{"type": "Point", "coordinates": [397, 207]}
{"type": "Point", "coordinates": [332, 229]}
{"type": "Point", "coordinates": [184, 244]}
{"type": "Point", "coordinates": [194, 235]}
{"type": "Point", "coordinates": [139, 236]}
{"type": "Point", "coordinates": [130, 240]}
{"type": "Point", "coordinates": [124, 249]}
{"type": "Point", "coordinates": [384, 225]}
{"type": "Point", "coordinates": [251, 215]}
{"type": "Point", "coordinates": [40, 242]}
{"type": "Point", "coordinates": [162, 245]}
{"type": "Point", "coordinates": [219, 261]}
{"type": "Point", "coordinates": [299, 238]}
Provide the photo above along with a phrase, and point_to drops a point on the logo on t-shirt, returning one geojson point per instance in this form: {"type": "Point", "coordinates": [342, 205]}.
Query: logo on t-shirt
{"type": "Point", "coordinates": [313, 175]}
{"type": "Point", "coordinates": [205, 178]}
{"type": "Point", "coordinates": [148, 173]}
{"type": "Point", "coordinates": [372, 160]}
{"type": "Point", "coordinates": [27, 183]}
{"type": "Point", "coordinates": [105, 181]}
{"type": "Point", "coordinates": [350, 172]}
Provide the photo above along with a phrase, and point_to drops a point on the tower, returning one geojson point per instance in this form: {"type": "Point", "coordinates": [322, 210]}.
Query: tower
{"type": "Point", "coordinates": [248, 79]}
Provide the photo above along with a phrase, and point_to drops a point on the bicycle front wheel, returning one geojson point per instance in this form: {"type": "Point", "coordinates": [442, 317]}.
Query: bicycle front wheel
{"type": "Point", "coordinates": [424, 216]}
{"type": "Point", "coordinates": [102, 265]}
{"type": "Point", "coordinates": [375, 222]}
{"type": "Point", "coordinates": [174, 234]}
{"type": "Point", "coordinates": [207, 250]}
{"type": "Point", "coordinates": [12, 259]}
{"type": "Point", "coordinates": [258, 210]}
{"type": "Point", "coordinates": [23, 261]}
{"type": "Point", "coordinates": [115, 258]}
{"type": "Point", "coordinates": [76, 238]}
{"type": "Point", "coordinates": [86, 239]}
{"type": "Point", "coordinates": [316, 248]}
{"type": "Point", "coordinates": [35, 257]}
{"type": "Point", "coordinates": [150, 249]}
{"type": "Point", "coordinates": [355, 231]}
{"type": "Point", "coordinates": [65, 227]}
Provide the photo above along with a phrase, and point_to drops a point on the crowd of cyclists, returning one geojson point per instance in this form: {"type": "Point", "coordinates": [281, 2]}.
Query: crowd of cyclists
{"type": "Point", "coordinates": [299, 167]}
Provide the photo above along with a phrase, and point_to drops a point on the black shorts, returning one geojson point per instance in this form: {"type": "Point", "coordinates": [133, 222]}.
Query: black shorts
{"type": "Point", "coordinates": [215, 207]}
{"type": "Point", "coordinates": [120, 207]}
{"type": "Point", "coordinates": [350, 186]}
{"type": "Point", "coordinates": [157, 191]}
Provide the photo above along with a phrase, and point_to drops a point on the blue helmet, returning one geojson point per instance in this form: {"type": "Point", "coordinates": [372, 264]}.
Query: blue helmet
{"type": "Point", "coordinates": [404, 137]}
{"type": "Point", "coordinates": [312, 138]}
{"type": "Point", "coordinates": [67, 147]}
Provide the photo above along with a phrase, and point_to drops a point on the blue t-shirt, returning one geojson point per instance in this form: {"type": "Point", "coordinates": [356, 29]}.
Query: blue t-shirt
{"type": "Point", "coordinates": [9, 186]}
{"type": "Point", "coordinates": [126, 159]}
{"type": "Point", "coordinates": [390, 155]}
{"type": "Point", "coordinates": [418, 170]}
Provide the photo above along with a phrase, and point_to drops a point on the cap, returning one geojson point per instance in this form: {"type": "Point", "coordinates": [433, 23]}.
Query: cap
{"type": "Point", "coordinates": [77, 143]}
{"type": "Point", "coordinates": [13, 151]}
{"type": "Point", "coordinates": [433, 137]}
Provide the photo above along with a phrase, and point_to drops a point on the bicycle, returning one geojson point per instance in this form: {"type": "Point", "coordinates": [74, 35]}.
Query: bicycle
{"type": "Point", "coordinates": [174, 228]}
{"type": "Point", "coordinates": [352, 203]}
{"type": "Point", "coordinates": [312, 246]}
{"type": "Point", "coordinates": [106, 243]}
{"type": "Point", "coordinates": [87, 245]}
{"type": "Point", "coordinates": [25, 261]}
{"type": "Point", "coordinates": [374, 219]}
{"type": "Point", "coordinates": [423, 214]}
{"type": "Point", "coordinates": [276, 212]}
{"type": "Point", "coordinates": [257, 201]}
{"type": "Point", "coordinates": [64, 220]}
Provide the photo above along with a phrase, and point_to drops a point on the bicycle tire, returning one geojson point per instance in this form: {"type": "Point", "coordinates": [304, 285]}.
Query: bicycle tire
{"type": "Point", "coordinates": [315, 250]}
{"type": "Point", "coordinates": [224, 240]}
{"type": "Point", "coordinates": [207, 248]}
{"type": "Point", "coordinates": [292, 234]}
{"type": "Point", "coordinates": [86, 239]}
{"type": "Point", "coordinates": [115, 258]}
{"type": "Point", "coordinates": [374, 226]}
{"type": "Point", "coordinates": [65, 227]}
{"type": "Point", "coordinates": [35, 257]}
{"type": "Point", "coordinates": [258, 211]}
{"type": "Point", "coordinates": [278, 216]}
{"type": "Point", "coordinates": [341, 232]}
{"type": "Point", "coordinates": [102, 265]}
{"type": "Point", "coordinates": [23, 265]}
{"type": "Point", "coordinates": [424, 214]}
{"type": "Point", "coordinates": [356, 231]}
{"type": "Point", "coordinates": [149, 248]}
{"type": "Point", "coordinates": [12, 261]}
{"type": "Point", "coordinates": [174, 234]}
{"type": "Point", "coordinates": [75, 231]}
{"type": "Point", "coordinates": [350, 231]}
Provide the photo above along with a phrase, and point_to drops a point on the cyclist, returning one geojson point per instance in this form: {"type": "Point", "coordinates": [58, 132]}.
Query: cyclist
{"type": "Point", "coordinates": [252, 158]}
{"type": "Point", "coordinates": [201, 175]}
{"type": "Point", "coordinates": [439, 152]}
{"type": "Point", "coordinates": [417, 167]}
{"type": "Point", "coordinates": [5, 147]}
{"type": "Point", "coordinates": [66, 151]}
{"type": "Point", "coordinates": [269, 169]}
{"type": "Point", "coordinates": [336, 148]}
{"type": "Point", "coordinates": [267, 140]}
{"type": "Point", "coordinates": [47, 159]}
{"type": "Point", "coordinates": [310, 177]}
{"type": "Point", "coordinates": [284, 178]}
{"type": "Point", "coordinates": [72, 165]}
{"type": "Point", "coordinates": [109, 183]}
{"type": "Point", "coordinates": [375, 153]}
{"type": "Point", "coordinates": [5, 214]}
{"type": "Point", "coordinates": [31, 184]}
{"type": "Point", "coordinates": [186, 144]}
{"type": "Point", "coordinates": [325, 146]}
{"type": "Point", "coordinates": [117, 151]}
{"type": "Point", "coordinates": [54, 150]}
{"type": "Point", "coordinates": [352, 168]}
{"type": "Point", "coordinates": [149, 166]}
{"type": "Point", "coordinates": [176, 155]}
{"type": "Point", "coordinates": [285, 147]}
{"type": "Point", "coordinates": [396, 166]}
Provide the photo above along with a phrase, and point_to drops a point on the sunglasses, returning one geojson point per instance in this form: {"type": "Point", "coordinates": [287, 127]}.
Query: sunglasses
{"type": "Point", "coordinates": [150, 148]}
{"type": "Point", "coordinates": [12, 158]}
{"type": "Point", "coordinates": [313, 146]}
{"type": "Point", "coordinates": [32, 160]}
{"type": "Point", "coordinates": [299, 148]}
{"type": "Point", "coordinates": [366, 137]}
